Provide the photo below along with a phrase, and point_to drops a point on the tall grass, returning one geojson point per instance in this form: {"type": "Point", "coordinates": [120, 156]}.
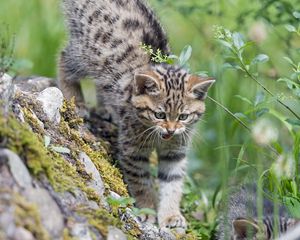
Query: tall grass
{"type": "Point", "coordinates": [39, 29]}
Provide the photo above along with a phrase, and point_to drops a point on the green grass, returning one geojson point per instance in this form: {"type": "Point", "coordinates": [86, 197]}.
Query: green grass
{"type": "Point", "coordinates": [224, 152]}
{"type": "Point", "coordinates": [39, 29]}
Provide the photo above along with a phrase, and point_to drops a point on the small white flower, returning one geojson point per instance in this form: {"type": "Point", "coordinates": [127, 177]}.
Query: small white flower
{"type": "Point", "coordinates": [264, 132]}
{"type": "Point", "coordinates": [258, 32]}
{"type": "Point", "coordinates": [284, 166]}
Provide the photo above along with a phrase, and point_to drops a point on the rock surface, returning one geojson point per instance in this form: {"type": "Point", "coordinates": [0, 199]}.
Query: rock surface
{"type": "Point", "coordinates": [17, 168]}
{"type": "Point", "coordinates": [56, 187]}
{"type": "Point", "coordinates": [6, 92]}
{"type": "Point", "coordinates": [115, 234]}
{"type": "Point", "coordinates": [50, 213]}
{"type": "Point", "coordinates": [52, 100]}
{"type": "Point", "coordinates": [96, 182]}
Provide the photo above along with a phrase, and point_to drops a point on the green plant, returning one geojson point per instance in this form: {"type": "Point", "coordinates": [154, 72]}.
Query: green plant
{"type": "Point", "coordinates": [58, 149]}
{"type": "Point", "coordinates": [120, 202]}
{"type": "Point", "coordinates": [235, 44]}
{"type": "Point", "coordinates": [281, 179]}
{"type": "Point", "coordinates": [156, 55]}
{"type": "Point", "coordinates": [7, 45]}
{"type": "Point", "coordinates": [292, 28]}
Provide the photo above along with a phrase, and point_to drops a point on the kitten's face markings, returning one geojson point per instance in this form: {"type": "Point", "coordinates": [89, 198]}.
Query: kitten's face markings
{"type": "Point", "coordinates": [170, 99]}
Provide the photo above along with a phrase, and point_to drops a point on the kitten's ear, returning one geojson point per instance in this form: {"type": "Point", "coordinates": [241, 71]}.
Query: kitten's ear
{"type": "Point", "coordinates": [198, 86]}
{"type": "Point", "coordinates": [243, 227]}
{"type": "Point", "coordinates": [146, 83]}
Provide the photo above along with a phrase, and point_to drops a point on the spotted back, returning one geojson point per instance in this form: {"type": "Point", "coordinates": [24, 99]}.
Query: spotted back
{"type": "Point", "coordinates": [106, 36]}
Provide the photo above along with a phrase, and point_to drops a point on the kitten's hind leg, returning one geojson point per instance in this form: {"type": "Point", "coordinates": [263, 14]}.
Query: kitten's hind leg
{"type": "Point", "coordinates": [69, 78]}
{"type": "Point", "coordinates": [171, 174]}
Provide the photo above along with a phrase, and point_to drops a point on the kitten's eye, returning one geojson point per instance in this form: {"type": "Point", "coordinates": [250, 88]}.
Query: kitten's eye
{"type": "Point", "coordinates": [160, 115]}
{"type": "Point", "coordinates": [183, 117]}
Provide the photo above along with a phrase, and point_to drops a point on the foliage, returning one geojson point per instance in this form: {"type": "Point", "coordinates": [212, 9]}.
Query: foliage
{"type": "Point", "coordinates": [157, 55]}
{"type": "Point", "coordinates": [58, 149]}
{"type": "Point", "coordinates": [6, 49]}
{"type": "Point", "coordinates": [282, 178]}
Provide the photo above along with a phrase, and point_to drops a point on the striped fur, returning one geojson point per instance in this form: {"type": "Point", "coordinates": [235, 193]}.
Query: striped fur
{"type": "Point", "coordinates": [153, 105]}
{"type": "Point", "coordinates": [242, 222]}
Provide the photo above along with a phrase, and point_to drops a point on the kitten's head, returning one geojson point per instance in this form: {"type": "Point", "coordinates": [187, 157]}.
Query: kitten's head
{"type": "Point", "coordinates": [168, 99]}
{"type": "Point", "coordinates": [248, 228]}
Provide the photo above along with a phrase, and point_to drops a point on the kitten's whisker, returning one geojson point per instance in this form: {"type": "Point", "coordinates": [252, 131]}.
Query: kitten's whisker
{"type": "Point", "coordinates": [193, 133]}
{"type": "Point", "coordinates": [145, 140]}
{"type": "Point", "coordinates": [187, 137]}
{"type": "Point", "coordinates": [154, 138]}
{"type": "Point", "coordinates": [141, 134]}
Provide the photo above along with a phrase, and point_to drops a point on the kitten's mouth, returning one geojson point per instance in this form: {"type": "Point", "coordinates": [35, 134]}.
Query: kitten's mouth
{"type": "Point", "coordinates": [166, 136]}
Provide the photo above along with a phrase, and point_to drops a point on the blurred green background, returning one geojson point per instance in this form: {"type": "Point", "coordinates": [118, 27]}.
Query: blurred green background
{"type": "Point", "coordinates": [220, 141]}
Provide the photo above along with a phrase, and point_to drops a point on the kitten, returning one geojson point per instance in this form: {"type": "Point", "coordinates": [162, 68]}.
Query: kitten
{"type": "Point", "coordinates": [243, 223]}
{"type": "Point", "coordinates": [153, 105]}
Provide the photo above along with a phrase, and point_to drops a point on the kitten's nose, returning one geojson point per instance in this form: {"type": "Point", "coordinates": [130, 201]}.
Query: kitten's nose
{"type": "Point", "coordinates": [170, 131]}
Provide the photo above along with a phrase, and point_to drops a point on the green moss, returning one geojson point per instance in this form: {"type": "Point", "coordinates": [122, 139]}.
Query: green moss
{"type": "Point", "coordinates": [27, 216]}
{"type": "Point", "coordinates": [100, 219]}
{"type": "Point", "coordinates": [62, 175]}
{"type": "Point", "coordinates": [110, 174]}
{"type": "Point", "coordinates": [188, 236]}
{"type": "Point", "coordinates": [67, 236]}
{"type": "Point", "coordinates": [25, 143]}
{"type": "Point", "coordinates": [68, 112]}
{"type": "Point", "coordinates": [32, 121]}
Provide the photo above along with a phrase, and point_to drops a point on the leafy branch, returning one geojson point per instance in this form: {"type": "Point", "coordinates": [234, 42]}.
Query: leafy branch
{"type": "Point", "coordinates": [235, 44]}
{"type": "Point", "coordinates": [156, 55]}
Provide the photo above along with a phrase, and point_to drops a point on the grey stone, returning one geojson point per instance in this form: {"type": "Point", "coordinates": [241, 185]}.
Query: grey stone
{"type": "Point", "coordinates": [74, 199]}
{"type": "Point", "coordinates": [34, 83]}
{"type": "Point", "coordinates": [166, 234]}
{"type": "Point", "coordinates": [96, 183]}
{"type": "Point", "coordinates": [114, 195]}
{"type": "Point", "coordinates": [22, 234]}
{"type": "Point", "coordinates": [115, 234]}
{"type": "Point", "coordinates": [52, 100]}
{"type": "Point", "coordinates": [149, 231]}
{"type": "Point", "coordinates": [7, 221]}
{"type": "Point", "coordinates": [51, 216]}
{"type": "Point", "coordinates": [6, 179]}
{"type": "Point", "coordinates": [17, 168]}
{"type": "Point", "coordinates": [80, 231]}
{"type": "Point", "coordinates": [6, 92]}
{"type": "Point", "coordinates": [18, 112]}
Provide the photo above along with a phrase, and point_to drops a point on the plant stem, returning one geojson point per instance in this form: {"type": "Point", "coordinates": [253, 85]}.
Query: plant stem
{"type": "Point", "coordinates": [267, 90]}
{"type": "Point", "coordinates": [238, 119]}
{"type": "Point", "coordinates": [230, 113]}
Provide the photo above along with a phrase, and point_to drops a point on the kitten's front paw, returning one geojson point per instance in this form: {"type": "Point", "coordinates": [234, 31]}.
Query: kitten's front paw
{"type": "Point", "coordinates": [174, 221]}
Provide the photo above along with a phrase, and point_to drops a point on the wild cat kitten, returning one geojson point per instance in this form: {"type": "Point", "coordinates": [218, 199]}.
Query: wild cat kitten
{"type": "Point", "coordinates": [241, 221]}
{"type": "Point", "coordinates": [153, 105]}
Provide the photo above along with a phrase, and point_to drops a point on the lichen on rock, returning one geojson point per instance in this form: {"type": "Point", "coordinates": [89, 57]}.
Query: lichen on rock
{"type": "Point", "coordinates": [66, 170]}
